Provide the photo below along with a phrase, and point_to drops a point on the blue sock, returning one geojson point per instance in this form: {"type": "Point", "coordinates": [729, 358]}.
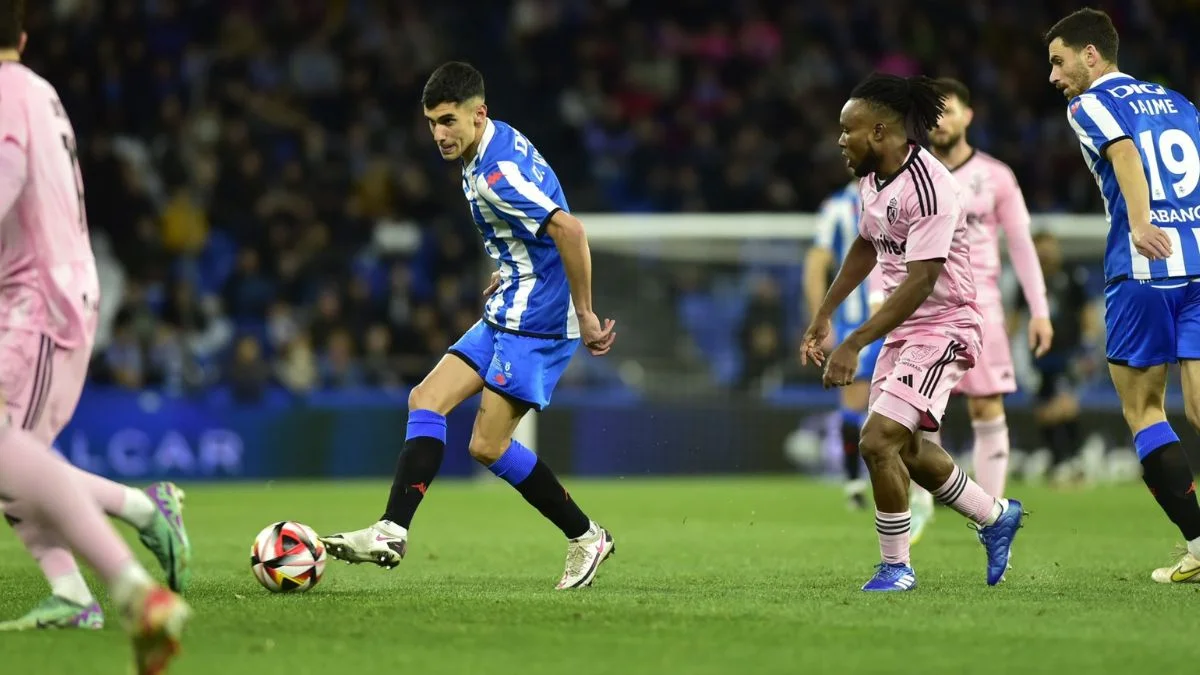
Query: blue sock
{"type": "Point", "coordinates": [1154, 437]}
{"type": "Point", "coordinates": [426, 424]}
{"type": "Point", "coordinates": [515, 465]}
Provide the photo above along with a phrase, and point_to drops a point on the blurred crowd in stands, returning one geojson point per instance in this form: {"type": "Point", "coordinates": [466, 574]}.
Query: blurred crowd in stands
{"type": "Point", "coordinates": [268, 206]}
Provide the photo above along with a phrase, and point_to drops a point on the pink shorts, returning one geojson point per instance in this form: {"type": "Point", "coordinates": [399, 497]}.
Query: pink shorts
{"type": "Point", "coordinates": [39, 382]}
{"type": "Point", "coordinates": [914, 378]}
{"type": "Point", "coordinates": [993, 372]}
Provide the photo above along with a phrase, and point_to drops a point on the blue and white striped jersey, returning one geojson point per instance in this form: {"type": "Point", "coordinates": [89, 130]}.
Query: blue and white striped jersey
{"type": "Point", "coordinates": [1164, 126]}
{"type": "Point", "coordinates": [837, 228]}
{"type": "Point", "coordinates": [513, 193]}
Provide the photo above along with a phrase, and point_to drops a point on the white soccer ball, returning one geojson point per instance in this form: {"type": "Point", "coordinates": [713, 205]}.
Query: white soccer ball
{"type": "Point", "coordinates": [287, 557]}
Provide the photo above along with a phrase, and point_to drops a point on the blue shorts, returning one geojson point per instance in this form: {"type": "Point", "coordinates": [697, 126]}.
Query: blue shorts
{"type": "Point", "coordinates": [1149, 323]}
{"type": "Point", "coordinates": [866, 358]}
{"type": "Point", "coordinates": [525, 369]}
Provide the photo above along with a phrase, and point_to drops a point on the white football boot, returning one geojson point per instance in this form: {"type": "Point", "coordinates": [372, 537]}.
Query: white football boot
{"type": "Point", "coordinates": [584, 556]}
{"type": "Point", "coordinates": [383, 543]}
{"type": "Point", "coordinates": [1185, 571]}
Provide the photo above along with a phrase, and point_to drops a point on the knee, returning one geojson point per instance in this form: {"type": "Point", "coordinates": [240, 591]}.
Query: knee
{"type": "Point", "coordinates": [425, 397]}
{"type": "Point", "coordinates": [879, 443]}
{"type": "Point", "coordinates": [1139, 417]}
{"type": "Point", "coordinates": [486, 450]}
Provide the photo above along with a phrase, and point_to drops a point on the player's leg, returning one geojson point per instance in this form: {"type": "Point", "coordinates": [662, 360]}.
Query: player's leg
{"type": "Point", "coordinates": [882, 440]}
{"type": "Point", "coordinates": [1140, 323]}
{"type": "Point", "coordinates": [991, 444]}
{"type": "Point", "coordinates": [493, 446]}
{"type": "Point", "coordinates": [38, 486]}
{"type": "Point", "coordinates": [59, 376]}
{"type": "Point", "coordinates": [457, 377]}
{"type": "Point", "coordinates": [523, 377]}
{"type": "Point", "coordinates": [853, 412]}
{"type": "Point", "coordinates": [985, 386]}
{"type": "Point", "coordinates": [915, 396]}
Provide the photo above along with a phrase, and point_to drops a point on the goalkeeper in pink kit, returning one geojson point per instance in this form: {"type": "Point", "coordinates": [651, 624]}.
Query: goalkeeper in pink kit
{"type": "Point", "coordinates": [993, 204]}
{"type": "Point", "coordinates": [914, 229]}
{"type": "Point", "coordinates": [49, 296]}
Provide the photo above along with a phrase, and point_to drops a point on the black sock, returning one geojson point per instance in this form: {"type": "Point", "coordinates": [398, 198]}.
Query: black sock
{"type": "Point", "coordinates": [850, 457]}
{"type": "Point", "coordinates": [1167, 473]}
{"type": "Point", "coordinates": [416, 467]}
{"type": "Point", "coordinates": [521, 468]}
{"type": "Point", "coordinates": [547, 495]}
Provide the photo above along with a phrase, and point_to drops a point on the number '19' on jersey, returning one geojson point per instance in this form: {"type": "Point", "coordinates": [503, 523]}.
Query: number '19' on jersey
{"type": "Point", "coordinates": [1164, 127]}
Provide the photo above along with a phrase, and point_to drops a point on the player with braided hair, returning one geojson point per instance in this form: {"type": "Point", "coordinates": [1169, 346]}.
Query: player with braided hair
{"type": "Point", "coordinates": [914, 227]}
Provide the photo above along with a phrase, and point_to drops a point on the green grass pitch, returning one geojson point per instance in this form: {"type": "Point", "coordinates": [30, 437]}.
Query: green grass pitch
{"type": "Point", "coordinates": [711, 576]}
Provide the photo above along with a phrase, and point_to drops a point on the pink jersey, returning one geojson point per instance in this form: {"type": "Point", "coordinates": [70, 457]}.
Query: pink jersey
{"type": "Point", "coordinates": [993, 202]}
{"type": "Point", "coordinates": [917, 215]}
{"type": "Point", "coordinates": [48, 280]}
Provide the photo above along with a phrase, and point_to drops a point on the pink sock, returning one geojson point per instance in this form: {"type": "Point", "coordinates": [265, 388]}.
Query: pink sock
{"type": "Point", "coordinates": [38, 482]}
{"type": "Point", "coordinates": [965, 496]}
{"type": "Point", "coordinates": [991, 454]}
{"type": "Point", "coordinates": [893, 530]}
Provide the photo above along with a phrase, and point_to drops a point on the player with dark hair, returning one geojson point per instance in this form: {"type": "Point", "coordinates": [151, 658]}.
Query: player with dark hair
{"type": "Point", "coordinates": [539, 308]}
{"type": "Point", "coordinates": [1142, 142]}
{"type": "Point", "coordinates": [49, 302]}
{"type": "Point", "coordinates": [993, 204]}
{"type": "Point", "coordinates": [913, 226]}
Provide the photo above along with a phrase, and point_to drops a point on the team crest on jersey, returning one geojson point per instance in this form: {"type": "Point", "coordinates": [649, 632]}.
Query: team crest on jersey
{"type": "Point", "coordinates": [1076, 106]}
{"type": "Point", "coordinates": [893, 211]}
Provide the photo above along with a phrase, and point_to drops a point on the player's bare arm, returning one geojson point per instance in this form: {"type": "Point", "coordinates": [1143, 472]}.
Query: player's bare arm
{"type": "Point", "coordinates": [571, 240]}
{"type": "Point", "coordinates": [859, 262]}
{"type": "Point", "coordinates": [1126, 161]}
{"type": "Point", "coordinates": [917, 285]}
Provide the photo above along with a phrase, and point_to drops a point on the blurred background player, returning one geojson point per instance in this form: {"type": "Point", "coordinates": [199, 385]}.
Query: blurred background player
{"type": "Point", "coordinates": [538, 311]}
{"type": "Point", "coordinates": [1142, 142]}
{"type": "Point", "coordinates": [993, 203]}
{"type": "Point", "coordinates": [1059, 369]}
{"type": "Point", "coordinates": [913, 226]}
{"type": "Point", "coordinates": [837, 228]}
{"type": "Point", "coordinates": [49, 296]}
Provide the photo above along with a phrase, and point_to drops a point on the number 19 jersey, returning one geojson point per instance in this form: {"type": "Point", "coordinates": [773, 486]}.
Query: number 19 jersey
{"type": "Point", "coordinates": [1163, 125]}
{"type": "Point", "coordinates": [48, 279]}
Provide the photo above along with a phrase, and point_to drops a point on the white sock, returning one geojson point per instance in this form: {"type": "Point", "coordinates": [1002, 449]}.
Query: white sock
{"type": "Point", "coordinates": [72, 587]}
{"type": "Point", "coordinates": [138, 509]}
{"type": "Point", "coordinates": [1193, 547]}
{"type": "Point", "coordinates": [130, 582]}
{"type": "Point", "coordinates": [391, 529]}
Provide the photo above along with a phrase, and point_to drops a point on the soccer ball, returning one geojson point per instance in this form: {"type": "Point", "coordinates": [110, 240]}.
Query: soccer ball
{"type": "Point", "coordinates": [287, 558]}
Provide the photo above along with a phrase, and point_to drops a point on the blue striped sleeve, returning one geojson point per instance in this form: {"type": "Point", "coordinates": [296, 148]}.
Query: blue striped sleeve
{"type": "Point", "coordinates": [1095, 122]}
{"type": "Point", "coordinates": [514, 195]}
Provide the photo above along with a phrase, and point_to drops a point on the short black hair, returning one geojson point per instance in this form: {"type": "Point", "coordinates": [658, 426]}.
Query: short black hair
{"type": "Point", "coordinates": [1085, 27]}
{"type": "Point", "coordinates": [452, 82]}
{"type": "Point", "coordinates": [916, 100]}
{"type": "Point", "coordinates": [952, 87]}
{"type": "Point", "coordinates": [12, 23]}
